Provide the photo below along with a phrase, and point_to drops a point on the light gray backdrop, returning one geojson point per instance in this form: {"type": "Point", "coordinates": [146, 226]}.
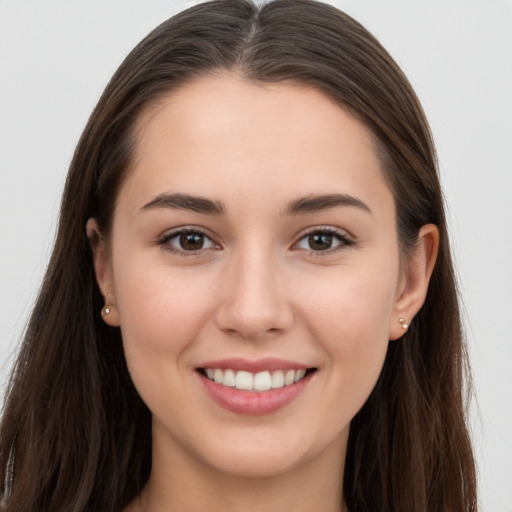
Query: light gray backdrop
{"type": "Point", "coordinates": [56, 56]}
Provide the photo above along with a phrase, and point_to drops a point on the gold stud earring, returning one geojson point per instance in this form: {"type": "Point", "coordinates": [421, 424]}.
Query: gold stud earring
{"type": "Point", "coordinates": [403, 323]}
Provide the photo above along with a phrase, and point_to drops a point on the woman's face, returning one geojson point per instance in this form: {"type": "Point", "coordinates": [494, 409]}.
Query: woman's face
{"type": "Point", "coordinates": [253, 241]}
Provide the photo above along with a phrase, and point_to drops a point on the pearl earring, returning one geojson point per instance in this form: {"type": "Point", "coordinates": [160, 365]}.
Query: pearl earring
{"type": "Point", "coordinates": [403, 323]}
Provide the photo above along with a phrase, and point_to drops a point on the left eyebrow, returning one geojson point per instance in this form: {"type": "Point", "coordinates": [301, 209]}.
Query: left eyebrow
{"type": "Point", "coordinates": [311, 204]}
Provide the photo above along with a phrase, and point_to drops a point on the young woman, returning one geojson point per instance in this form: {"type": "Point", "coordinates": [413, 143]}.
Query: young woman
{"type": "Point", "coordinates": [251, 302]}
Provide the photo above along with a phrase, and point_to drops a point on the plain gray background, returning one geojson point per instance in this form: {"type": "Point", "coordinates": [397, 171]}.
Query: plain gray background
{"type": "Point", "coordinates": [56, 57]}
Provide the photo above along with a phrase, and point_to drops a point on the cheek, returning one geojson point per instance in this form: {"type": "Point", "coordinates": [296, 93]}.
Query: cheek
{"type": "Point", "coordinates": [161, 315]}
{"type": "Point", "coordinates": [353, 306]}
{"type": "Point", "coordinates": [161, 311]}
{"type": "Point", "coordinates": [348, 317]}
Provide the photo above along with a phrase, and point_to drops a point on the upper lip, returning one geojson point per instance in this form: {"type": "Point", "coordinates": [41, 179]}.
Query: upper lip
{"type": "Point", "coordinates": [254, 366]}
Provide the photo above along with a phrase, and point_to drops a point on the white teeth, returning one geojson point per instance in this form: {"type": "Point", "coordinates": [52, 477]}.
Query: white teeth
{"type": "Point", "coordinates": [261, 381]}
{"type": "Point", "coordinates": [244, 380]}
{"type": "Point", "coordinates": [289, 378]}
{"type": "Point", "coordinates": [278, 379]}
{"type": "Point", "coordinates": [299, 374]}
{"type": "Point", "coordinates": [229, 378]}
{"type": "Point", "coordinates": [217, 375]}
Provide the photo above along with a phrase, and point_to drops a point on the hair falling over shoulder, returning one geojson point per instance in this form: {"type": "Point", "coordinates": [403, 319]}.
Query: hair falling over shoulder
{"type": "Point", "coordinates": [80, 433]}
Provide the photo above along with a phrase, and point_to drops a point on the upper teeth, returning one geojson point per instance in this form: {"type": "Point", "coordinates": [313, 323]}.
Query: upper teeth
{"type": "Point", "coordinates": [261, 381]}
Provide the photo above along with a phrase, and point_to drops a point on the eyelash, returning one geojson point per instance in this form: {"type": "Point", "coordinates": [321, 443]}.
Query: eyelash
{"type": "Point", "coordinates": [344, 241]}
{"type": "Point", "coordinates": [165, 240]}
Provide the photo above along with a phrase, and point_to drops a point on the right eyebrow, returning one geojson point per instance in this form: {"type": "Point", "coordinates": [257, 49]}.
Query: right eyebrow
{"type": "Point", "coordinates": [196, 204]}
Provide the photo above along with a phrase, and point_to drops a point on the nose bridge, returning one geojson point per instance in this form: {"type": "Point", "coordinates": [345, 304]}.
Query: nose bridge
{"type": "Point", "coordinates": [254, 300]}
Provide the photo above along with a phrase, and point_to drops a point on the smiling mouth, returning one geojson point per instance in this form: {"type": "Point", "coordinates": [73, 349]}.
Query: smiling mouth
{"type": "Point", "coordinates": [255, 382]}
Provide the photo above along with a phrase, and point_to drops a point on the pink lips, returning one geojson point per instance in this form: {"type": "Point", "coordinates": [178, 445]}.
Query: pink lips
{"type": "Point", "coordinates": [268, 363]}
{"type": "Point", "coordinates": [253, 402]}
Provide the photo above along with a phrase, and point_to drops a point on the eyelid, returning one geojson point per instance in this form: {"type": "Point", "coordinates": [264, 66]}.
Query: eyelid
{"type": "Point", "coordinates": [345, 238]}
{"type": "Point", "coordinates": [163, 240]}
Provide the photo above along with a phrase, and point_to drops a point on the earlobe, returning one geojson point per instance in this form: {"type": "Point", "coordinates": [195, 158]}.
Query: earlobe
{"type": "Point", "coordinates": [110, 314]}
{"type": "Point", "coordinates": [103, 272]}
{"type": "Point", "coordinates": [416, 278]}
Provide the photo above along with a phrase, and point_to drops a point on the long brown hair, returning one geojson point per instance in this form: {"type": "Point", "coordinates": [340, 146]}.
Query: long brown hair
{"type": "Point", "coordinates": [81, 433]}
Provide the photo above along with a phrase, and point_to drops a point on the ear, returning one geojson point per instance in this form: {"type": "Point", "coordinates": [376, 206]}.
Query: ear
{"type": "Point", "coordinates": [416, 274]}
{"type": "Point", "coordinates": [103, 271]}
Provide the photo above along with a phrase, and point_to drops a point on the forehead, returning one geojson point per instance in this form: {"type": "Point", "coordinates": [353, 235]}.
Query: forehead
{"type": "Point", "coordinates": [223, 135]}
{"type": "Point", "coordinates": [232, 104]}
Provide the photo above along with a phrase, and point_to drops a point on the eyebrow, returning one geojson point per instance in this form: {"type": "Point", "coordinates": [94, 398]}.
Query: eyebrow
{"type": "Point", "coordinates": [301, 206]}
{"type": "Point", "coordinates": [185, 202]}
{"type": "Point", "coordinates": [311, 204]}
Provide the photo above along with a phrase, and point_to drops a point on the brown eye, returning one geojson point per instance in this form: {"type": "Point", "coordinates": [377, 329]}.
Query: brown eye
{"type": "Point", "coordinates": [191, 241]}
{"type": "Point", "coordinates": [187, 241]}
{"type": "Point", "coordinates": [323, 240]}
{"type": "Point", "coordinates": [320, 241]}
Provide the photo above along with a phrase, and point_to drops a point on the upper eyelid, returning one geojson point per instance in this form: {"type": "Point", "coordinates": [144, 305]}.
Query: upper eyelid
{"type": "Point", "coordinates": [171, 233]}
{"type": "Point", "coordinates": [343, 233]}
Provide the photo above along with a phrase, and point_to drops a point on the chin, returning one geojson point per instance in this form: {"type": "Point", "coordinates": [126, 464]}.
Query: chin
{"type": "Point", "coordinates": [264, 458]}
{"type": "Point", "coordinates": [256, 465]}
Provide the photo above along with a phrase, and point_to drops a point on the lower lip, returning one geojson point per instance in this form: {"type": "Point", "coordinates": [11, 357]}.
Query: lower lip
{"type": "Point", "coordinates": [254, 402]}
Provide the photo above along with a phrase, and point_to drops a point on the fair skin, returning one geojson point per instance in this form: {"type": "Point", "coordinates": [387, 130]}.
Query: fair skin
{"type": "Point", "coordinates": [294, 261]}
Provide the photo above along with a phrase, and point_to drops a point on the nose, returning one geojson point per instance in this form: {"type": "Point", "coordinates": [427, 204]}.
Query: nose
{"type": "Point", "coordinates": [254, 302]}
